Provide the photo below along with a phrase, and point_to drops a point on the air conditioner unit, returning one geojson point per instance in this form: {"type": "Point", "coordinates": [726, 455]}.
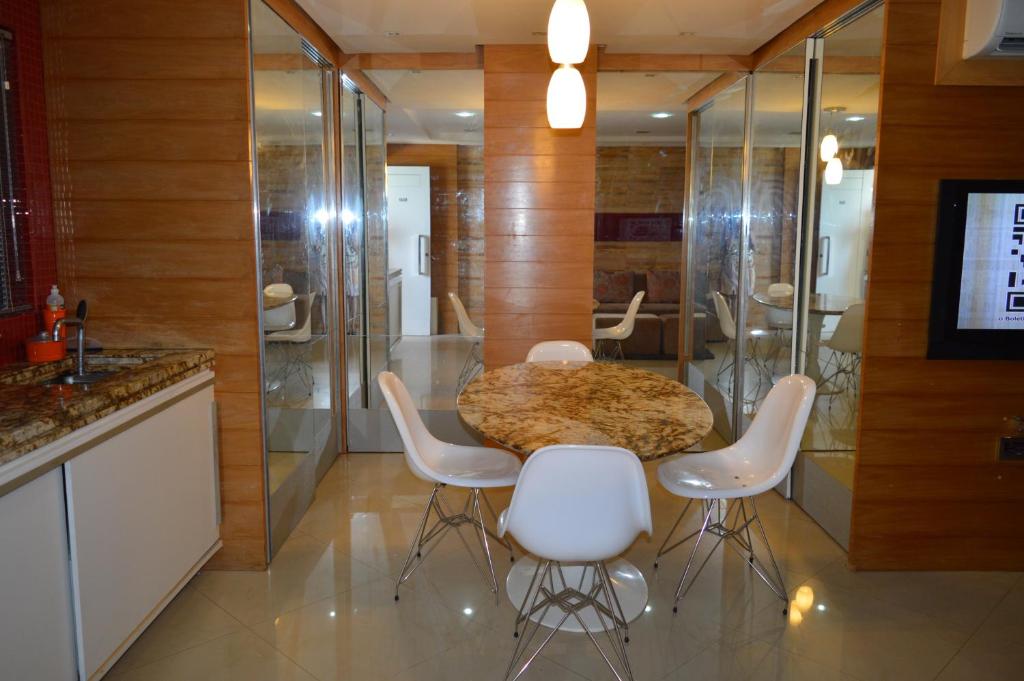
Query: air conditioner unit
{"type": "Point", "coordinates": [994, 28]}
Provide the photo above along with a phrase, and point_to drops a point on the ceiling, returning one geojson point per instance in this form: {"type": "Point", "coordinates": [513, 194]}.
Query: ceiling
{"type": "Point", "coordinates": [720, 27]}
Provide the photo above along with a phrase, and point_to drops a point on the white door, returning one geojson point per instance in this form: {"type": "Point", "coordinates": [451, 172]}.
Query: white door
{"type": "Point", "coordinates": [844, 234]}
{"type": "Point", "coordinates": [409, 243]}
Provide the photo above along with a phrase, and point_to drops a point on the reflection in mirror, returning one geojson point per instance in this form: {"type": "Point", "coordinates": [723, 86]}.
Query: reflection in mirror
{"type": "Point", "coordinates": [714, 245]}
{"type": "Point", "coordinates": [293, 132]}
{"type": "Point", "coordinates": [638, 221]}
{"type": "Point", "coordinates": [843, 219]}
{"type": "Point", "coordinates": [424, 266]}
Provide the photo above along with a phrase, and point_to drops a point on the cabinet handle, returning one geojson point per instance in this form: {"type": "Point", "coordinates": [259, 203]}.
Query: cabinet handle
{"type": "Point", "coordinates": [216, 462]}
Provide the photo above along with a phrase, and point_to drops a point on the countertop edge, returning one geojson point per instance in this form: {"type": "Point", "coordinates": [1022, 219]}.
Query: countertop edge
{"type": "Point", "coordinates": [56, 452]}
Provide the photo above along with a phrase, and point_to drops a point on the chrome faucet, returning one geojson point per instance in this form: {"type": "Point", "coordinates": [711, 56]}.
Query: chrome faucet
{"type": "Point", "coordinates": [78, 320]}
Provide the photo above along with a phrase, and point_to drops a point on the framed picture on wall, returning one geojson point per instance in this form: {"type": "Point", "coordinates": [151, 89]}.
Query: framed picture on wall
{"type": "Point", "coordinates": [977, 306]}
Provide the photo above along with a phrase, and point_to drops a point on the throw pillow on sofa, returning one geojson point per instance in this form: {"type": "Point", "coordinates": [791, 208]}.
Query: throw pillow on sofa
{"type": "Point", "coordinates": [662, 286]}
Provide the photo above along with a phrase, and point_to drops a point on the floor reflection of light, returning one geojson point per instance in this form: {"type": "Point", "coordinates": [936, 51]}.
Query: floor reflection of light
{"type": "Point", "coordinates": [467, 611]}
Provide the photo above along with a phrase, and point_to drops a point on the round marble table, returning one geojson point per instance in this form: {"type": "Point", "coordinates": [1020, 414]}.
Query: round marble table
{"type": "Point", "coordinates": [819, 306]}
{"type": "Point", "coordinates": [528, 406]}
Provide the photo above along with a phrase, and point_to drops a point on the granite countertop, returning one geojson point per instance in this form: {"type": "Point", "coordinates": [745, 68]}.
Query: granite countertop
{"type": "Point", "coordinates": [33, 415]}
{"type": "Point", "coordinates": [528, 406]}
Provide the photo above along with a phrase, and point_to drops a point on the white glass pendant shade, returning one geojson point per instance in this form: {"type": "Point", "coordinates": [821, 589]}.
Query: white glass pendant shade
{"type": "Point", "coordinates": [829, 147]}
{"type": "Point", "coordinates": [567, 98]}
{"type": "Point", "coordinates": [834, 171]}
{"type": "Point", "coordinates": [568, 32]}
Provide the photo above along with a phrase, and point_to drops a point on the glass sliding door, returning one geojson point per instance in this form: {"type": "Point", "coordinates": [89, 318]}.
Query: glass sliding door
{"type": "Point", "coordinates": [841, 217]}
{"type": "Point", "coordinates": [775, 194]}
{"type": "Point", "coordinates": [413, 213]}
{"type": "Point", "coordinates": [294, 140]}
{"type": "Point", "coordinates": [716, 284]}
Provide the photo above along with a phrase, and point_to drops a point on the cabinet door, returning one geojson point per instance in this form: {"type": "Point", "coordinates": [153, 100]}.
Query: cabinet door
{"type": "Point", "coordinates": [36, 624]}
{"type": "Point", "coordinates": [142, 514]}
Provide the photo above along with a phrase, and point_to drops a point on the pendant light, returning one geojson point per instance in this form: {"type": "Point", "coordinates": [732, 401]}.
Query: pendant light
{"type": "Point", "coordinates": [834, 171]}
{"type": "Point", "coordinates": [567, 98]}
{"type": "Point", "coordinates": [829, 147]}
{"type": "Point", "coordinates": [568, 32]}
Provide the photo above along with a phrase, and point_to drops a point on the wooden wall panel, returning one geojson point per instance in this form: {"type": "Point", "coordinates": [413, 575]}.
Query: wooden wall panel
{"type": "Point", "coordinates": [149, 135]}
{"type": "Point", "coordinates": [539, 209]}
{"type": "Point", "coordinates": [929, 492]}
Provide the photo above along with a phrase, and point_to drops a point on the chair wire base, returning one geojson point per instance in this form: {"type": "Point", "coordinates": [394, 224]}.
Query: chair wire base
{"type": "Point", "coordinates": [601, 351]}
{"type": "Point", "coordinates": [730, 524]}
{"type": "Point", "coordinates": [471, 514]}
{"type": "Point", "coordinates": [550, 589]}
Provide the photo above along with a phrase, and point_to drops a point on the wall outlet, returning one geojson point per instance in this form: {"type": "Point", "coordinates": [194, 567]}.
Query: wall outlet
{"type": "Point", "coordinates": [1011, 448]}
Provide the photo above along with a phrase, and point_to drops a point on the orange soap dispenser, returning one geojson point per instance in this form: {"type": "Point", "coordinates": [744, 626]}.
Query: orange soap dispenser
{"type": "Point", "coordinates": [53, 311]}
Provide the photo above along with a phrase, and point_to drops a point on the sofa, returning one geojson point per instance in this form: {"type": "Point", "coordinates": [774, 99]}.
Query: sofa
{"type": "Point", "coordinates": [656, 333]}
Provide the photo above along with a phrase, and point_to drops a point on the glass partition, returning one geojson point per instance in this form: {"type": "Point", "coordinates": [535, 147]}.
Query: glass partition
{"type": "Point", "coordinates": [417, 242]}
{"type": "Point", "coordinates": [293, 131]}
{"type": "Point", "coordinates": [775, 140]}
{"type": "Point", "coordinates": [714, 254]}
{"type": "Point", "coordinates": [638, 221]}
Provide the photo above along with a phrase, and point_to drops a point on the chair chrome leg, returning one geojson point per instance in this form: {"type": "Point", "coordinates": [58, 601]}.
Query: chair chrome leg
{"type": "Point", "coordinates": [782, 593]}
{"type": "Point", "coordinates": [572, 599]}
{"type": "Point", "coordinates": [693, 553]}
{"type": "Point", "coordinates": [427, 539]}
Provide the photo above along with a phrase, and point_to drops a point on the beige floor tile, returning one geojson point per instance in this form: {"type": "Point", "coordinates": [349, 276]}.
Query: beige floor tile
{"type": "Point", "coordinates": [304, 570]}
{"type": "Point", "coordinates": [981, 661]}
{"type": "Point", "coordinates": [483, 657]}
{"type": "Point", "coordinates": [189, 620]}
{"type": "Point", "coordinates": [861, 636]}
{"type": "Point", "coordinates": [755, 661]}
{"type": "Point", "coordinates": [240, 656]}
{"type": "Point", "coordinates": [960, 599]}
{"type": "Point", "coordinates": [364, 633]}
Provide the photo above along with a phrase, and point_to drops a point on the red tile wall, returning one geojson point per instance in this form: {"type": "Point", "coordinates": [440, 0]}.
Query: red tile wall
{"type": "Point", "coordinates": [21, 17]}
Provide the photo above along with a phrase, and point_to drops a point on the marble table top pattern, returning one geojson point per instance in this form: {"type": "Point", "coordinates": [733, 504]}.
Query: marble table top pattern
{"type": "Point", "coordinates": [528, 406]}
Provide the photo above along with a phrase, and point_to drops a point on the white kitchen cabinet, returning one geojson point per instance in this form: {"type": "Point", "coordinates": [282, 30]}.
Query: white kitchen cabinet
{"type": "Point", "coordinates": [143, 510]}
{"type": "Point", "coordinates": [36, 623]}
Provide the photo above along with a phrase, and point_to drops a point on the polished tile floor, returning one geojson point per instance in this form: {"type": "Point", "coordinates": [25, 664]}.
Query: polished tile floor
{"type": "Point", "coordinates": [325, 609]}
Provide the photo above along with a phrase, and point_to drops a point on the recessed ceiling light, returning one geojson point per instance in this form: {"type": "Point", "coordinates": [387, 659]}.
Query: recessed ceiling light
{"type": "Point", "coordinates": [854, 119]}
{"type": "Point", "coordinates": [465, 114]}
{"type": "Point", "coordinates": [661, 114]}
{"type": "Point", "coordinates": [318, 114]}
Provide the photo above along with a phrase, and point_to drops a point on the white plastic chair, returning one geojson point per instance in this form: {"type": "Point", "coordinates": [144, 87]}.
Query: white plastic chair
{"type": "Point", "coordinates": [282, 317]}
{"type": "Point", "coordinates": [728, 325]}
{"type": "Point", "coordinates": [430, 459]}
{"type": "Point", "coordinates": [777, 318]}
{"type": "Point", "coordinates": [467, 329]}
{"type": "Point", "coordinates": [756, 463]}
{"type": "Point", "coordinates": [846, 344]}
{"type": "Point", "coordinates": [293, 361]}
{"type": "Point", "coordinates": [559, 351]}
{"type": "Point", "coordinates": [577, 504]}
{"type": "Point", "coordinates": [620, 331]}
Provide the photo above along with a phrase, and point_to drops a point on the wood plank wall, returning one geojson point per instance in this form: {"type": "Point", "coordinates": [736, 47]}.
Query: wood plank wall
{"type": "Point", "coordinates": [928, 491]}
{"type": "Point", "coordinates": [539, 187]}
{"type": "Point", "coordinates": [149, 137]}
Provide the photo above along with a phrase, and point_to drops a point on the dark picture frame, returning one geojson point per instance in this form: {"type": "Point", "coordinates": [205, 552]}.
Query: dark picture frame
{"type": "Point", "coordinates": [945, 340]}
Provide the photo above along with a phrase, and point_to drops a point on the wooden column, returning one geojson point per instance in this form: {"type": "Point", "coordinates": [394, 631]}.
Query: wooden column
{"type": "Point", "coordinates": [538, 207]}
{"type": "Point", "coordinates": [929, 492]}
{"type": "Point", "coordinates": [148, 114]}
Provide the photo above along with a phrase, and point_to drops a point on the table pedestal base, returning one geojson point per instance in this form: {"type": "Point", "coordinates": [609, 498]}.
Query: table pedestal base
{"type": "Point", "coordinates": [628, 582]}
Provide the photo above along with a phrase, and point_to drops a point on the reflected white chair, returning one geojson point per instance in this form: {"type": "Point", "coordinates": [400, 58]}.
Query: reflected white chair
{"type": "Point", "coordinates": [846, 344]}
{"type": "Point", "coordinates": [447, 465]}
{"type": "Point", "coordinates": [778, 320]}
{"type": "Point", "coordinates": [756, 463]}
{"type": "Point", "coordinates": [467, 329]}
{"type": "Point", "coordinates": [619, 332]}
{"type": "Point", "coordinates": [301, 332]}
{"type": "Point", "coordinates": [281, 317]}
{"type": "Point", "coordinates": [583, 505]}
{"type": "Point", "coordinates": [559, 351]}
{"type": "Point", "coordinates": [728, 325]}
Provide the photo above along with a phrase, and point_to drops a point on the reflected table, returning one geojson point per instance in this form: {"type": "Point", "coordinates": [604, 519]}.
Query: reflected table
{"type": "Point", "coordinates": [524, 407]}
{"type": "Point", "coordinates": [819, 306]}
